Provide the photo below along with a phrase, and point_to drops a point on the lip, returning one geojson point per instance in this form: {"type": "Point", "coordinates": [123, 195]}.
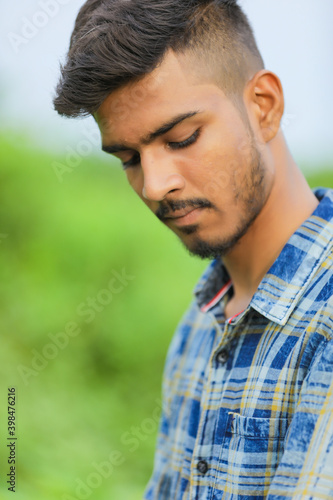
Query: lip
{"type": "Point", "coordinates": [183, 218]}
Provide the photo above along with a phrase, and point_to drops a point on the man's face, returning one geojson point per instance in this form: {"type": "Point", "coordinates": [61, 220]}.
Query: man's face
{"type": "Point", "coordinates": [188, 154]}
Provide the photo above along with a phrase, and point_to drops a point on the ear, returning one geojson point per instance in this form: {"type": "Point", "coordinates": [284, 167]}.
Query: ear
{"type": "Point", "coordinates": [264, 96]}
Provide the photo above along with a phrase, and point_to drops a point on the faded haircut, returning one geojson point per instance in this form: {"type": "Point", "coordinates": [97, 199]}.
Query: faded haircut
{"type": "Point", "coordinates": [116, 42]}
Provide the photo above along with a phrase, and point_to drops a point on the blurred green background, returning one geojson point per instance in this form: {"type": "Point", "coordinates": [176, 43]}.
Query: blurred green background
{"type": "Point", "coordinates": [87, 405]}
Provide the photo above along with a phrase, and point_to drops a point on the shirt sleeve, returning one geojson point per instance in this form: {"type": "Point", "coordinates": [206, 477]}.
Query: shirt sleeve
{"type": "Point", "coordinates": [160, 481]}
{"type": "Point", "coordinates": [306, 467]}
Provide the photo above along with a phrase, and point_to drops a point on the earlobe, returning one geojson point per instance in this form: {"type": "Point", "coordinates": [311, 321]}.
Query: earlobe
{"type": "Point", "coordinates": [266, 94]}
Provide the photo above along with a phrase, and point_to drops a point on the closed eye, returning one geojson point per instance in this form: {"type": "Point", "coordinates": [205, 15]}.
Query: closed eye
{"type": "Point", "coordinates": [135, 160]}
{"type": "Point", "coordinates": [187, 142]}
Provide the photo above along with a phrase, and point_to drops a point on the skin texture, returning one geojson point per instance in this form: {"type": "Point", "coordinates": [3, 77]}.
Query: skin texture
{"type": "Point", "coordinates": [222, 178]}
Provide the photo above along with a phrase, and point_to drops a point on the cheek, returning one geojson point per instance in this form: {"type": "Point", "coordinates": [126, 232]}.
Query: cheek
{"type": "Point", "coordinates": [224, 157]}
{"type": "Point", "coordinates": [220, 173]}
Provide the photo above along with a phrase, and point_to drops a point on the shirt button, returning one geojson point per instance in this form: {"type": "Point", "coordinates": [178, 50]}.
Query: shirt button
{"type": "Point", "coordinates": [202, 466]}
{"type": "Point", "coordinates": [222, 357]}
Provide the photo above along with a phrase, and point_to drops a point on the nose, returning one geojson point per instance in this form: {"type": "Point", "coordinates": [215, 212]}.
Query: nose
{"type": "Point", "coordinates": [160, 177]}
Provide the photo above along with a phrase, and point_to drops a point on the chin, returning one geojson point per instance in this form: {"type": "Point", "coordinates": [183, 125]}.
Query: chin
{"type": "Point", "coordinates": [206, 250]}
{"type": "Point", "coordinates": [220, 247]}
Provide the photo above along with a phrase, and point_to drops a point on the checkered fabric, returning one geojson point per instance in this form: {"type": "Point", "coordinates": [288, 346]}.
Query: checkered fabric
{"type": "Point", "coordinates": [248, 401]}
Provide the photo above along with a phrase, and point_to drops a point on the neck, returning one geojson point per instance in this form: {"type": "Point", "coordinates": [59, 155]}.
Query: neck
{"type": "Point", "coordinates": [289, 203]}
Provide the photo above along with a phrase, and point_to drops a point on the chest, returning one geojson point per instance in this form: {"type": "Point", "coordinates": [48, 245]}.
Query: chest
{"type": "Point", "coordinates": [231, 397]}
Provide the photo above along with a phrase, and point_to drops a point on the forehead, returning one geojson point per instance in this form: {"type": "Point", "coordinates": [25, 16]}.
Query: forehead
{"type": "Point", "coordinates": [171, 89]}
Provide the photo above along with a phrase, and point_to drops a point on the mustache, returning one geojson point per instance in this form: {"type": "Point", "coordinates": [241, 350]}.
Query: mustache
{"type": "Point", "coordinates": [168, 207]}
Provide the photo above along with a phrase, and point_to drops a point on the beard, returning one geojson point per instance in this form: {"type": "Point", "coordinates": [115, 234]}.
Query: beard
{"type": "Point", "coordinates": [213, 250]}
{"type": "Point", "coordinates": [250, 195]}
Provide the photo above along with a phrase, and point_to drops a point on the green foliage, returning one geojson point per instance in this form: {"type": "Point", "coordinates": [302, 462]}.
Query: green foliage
{"type": "Point", "coordinates": [95, 399]}
{"type": "Point", "coordinates": [61, 243]}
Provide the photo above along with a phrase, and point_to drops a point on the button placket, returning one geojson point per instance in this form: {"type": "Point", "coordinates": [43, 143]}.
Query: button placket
{"type": "Point", "coordinates": [213, 374]}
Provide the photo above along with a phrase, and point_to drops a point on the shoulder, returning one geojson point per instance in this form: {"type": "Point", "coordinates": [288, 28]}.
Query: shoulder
{"type": "Point", "coordinates": [189, 334]}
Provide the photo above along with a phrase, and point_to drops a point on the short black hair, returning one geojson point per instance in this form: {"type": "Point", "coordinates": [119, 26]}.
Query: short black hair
{"type": "Point", "coordinates": [115, 42]}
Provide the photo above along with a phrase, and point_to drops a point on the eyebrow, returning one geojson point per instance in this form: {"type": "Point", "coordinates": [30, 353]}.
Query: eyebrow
{"type": "Point", "coordinates": [148, 139]}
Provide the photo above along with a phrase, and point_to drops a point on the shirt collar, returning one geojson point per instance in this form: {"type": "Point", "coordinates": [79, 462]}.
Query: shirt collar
{"type": "Point", "coordinates": [285, 282]}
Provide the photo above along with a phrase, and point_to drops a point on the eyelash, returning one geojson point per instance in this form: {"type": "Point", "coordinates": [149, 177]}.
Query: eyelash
{"type": "Point", "coordinates": [172, 145]}
{"type": "Point", "coordinates": [184, 144]}
{"type": "Point", "coordinates": [133, 161]}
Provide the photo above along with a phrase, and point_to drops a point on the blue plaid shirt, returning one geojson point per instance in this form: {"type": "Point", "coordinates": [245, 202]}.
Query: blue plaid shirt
{"type": "Point", "coordinates": [248, 401]}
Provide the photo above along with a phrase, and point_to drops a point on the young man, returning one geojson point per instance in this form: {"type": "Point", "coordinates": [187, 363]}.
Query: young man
{"type": "Point", "coordinates": [181, 96]}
